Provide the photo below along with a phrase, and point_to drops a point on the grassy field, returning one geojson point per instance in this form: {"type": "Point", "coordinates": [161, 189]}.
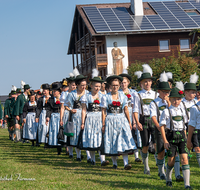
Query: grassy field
{"type": "Point", "coordinates": [51, 171]}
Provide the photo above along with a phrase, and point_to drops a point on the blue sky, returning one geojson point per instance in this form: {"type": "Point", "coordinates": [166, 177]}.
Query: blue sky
{"type": "Point", "coordinates": [34, 38]}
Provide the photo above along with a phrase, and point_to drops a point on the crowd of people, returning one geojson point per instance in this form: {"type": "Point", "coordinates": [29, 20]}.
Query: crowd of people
{"type": "Point", "coordinates": [112, 119]}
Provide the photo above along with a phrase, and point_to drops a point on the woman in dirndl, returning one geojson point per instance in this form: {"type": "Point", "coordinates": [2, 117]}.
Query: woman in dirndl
{"type": "Point", "coordinates": [53, 115]}
{"type": "Point", "coordinates": [43, 105]}
{"type": "Point", "coordinates": [29, 113]}
{"type": "Point", "coordinates": [117, 124]}
{"type": "Point", "coordinates": [74, 106]}
{"type": "Point", "coordinates": [64, 110]}
{"type": "Point", "coordinates": [92, 119]}
{"type": "Point", "coordinates": [129, 93]}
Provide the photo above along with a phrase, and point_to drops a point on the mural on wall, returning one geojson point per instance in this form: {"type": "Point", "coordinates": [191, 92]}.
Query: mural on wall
{"type": "Point", "coordinates": [117, 54]}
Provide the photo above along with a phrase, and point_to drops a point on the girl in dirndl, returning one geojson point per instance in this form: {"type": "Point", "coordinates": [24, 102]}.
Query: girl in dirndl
{"type": "Point", "coordinates": [92, 119]}
{"type": "Point", "coordinates": [29, 113]}
{"type": "Point", "coordinates": [64, 111]}
{"type": "Point", "coordinates": [43, 106]}
{"type": "Point", "coordinates": [53, 115]}
{"type": "Point", "coordinates": [117, 124]}
{"type": "Point", "coordinates": [129, 93]}
{"type": "Point", "coordinates": [74, 106]}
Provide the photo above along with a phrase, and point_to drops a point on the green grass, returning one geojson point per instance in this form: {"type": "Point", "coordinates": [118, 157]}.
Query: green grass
{"type": "Point", "coordinates": [59, 172]}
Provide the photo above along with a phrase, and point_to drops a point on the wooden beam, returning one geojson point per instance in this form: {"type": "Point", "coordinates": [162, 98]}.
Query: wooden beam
{"type": "Point", "coordinates": [95, 45]}
{"type": "Point", "coordinates": [90, 51]}
{"type": "Point", "coordinates": [73, 58]}
{"type": "Point", "coordinates": [76, 50]}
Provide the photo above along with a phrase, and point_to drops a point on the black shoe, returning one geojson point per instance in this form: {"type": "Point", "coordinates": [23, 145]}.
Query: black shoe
{"type": "Point", "coordinates": [37, 145]}
{"type": "Point", "coordinates": [70, 156]}
{"type": "Point", "coordinates": [67, 152]}
{"type": "Point", "coordinates": [179, 178]}
{"type": "Point", "coordinates": [93, 163]}
{"type": "Point", "coordinates": [59, 153]}
{"type": "Point", "coordinates": [127, 167]}
{"type": "Point", "coordinates": [147, 172]}
{"type": "Point", "coordinates": [138, 160]}
{"type": "Point", "coordinates": [188, 187]}
{"type": "Point", "coordinates": [89, 161]}
{"type": "Point", "coordinates": [114, 166]}
{"type": "Point", "coordinates": [78, 159]}
{"type": "Point", "coordinates": [158, 174]}
{"type": "Point", "coordinates": [82, 156]}
{"type": "Point", "coordinates": [16, 141]}
{"type": "Point", "coordinates": [105, 163]}
{"type": "Point", "coordinates": [169, 183]}
{"type": "Point", "coordinates": [162, 177]}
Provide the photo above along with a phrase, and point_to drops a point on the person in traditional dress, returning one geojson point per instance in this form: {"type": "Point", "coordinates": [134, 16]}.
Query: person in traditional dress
{"type": "Point", "coordinates": [103, 88]}
{"type": "Point", "coordinates": [64, 110]}
{"type": "Point", "coordinates": [53, 115]}
{"type": "Point", "coordinates": [141, 111]}
{"type": "Point", "coordinates": [43, 105]}
{"type": "Point", "coordinates": [29, 113]}
{"type": "Point", "coordinates": [173, 120]}
{"type": "Point", "coordinates": [92, 119]}
{"type": "Point", "coordinates": [74, 106]}
{"type": "Point", "coordinates": [129, 93]}
{"type": "Point", "coordinates": [156, 108]}
{"type": "Point", "coordinates": [38, 94]}
{"type": "Point", "coordinates": [116, 124]}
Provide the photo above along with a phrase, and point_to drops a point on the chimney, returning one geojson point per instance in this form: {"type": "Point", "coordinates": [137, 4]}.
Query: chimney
{"type": "Point", "coordinates": [137, 7]}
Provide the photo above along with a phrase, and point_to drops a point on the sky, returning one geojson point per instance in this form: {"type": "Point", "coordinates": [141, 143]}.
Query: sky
{"type": "Point", "coordinates": [34, 38]}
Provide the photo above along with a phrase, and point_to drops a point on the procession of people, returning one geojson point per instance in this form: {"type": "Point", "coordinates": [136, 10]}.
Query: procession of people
{"type": "Point", "coordinates": [112, 119]}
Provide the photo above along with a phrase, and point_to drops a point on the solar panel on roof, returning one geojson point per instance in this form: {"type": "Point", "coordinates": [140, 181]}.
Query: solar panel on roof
{"type": "Point", "coordinates": [196, 19]}
{"type": "Point", "coordinates": [195, 4]}
{"type": "Point", "coordinates": [157, 22]}
{"type": "Point", "coordinates": [186, 5]}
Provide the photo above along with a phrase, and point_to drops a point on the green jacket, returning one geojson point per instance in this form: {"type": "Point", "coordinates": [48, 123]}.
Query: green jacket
{"type": "Point", "coordinates": [18, 108]}
{"type": "Point", "coordinates": [0, 112]}
{"type": "Point", "coordinates": [7, 108]}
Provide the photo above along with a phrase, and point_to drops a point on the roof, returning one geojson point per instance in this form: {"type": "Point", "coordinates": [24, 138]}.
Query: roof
{"type": "Point", "coordinates": [159, 17]}
{"type": "Point", "coordinates": [3, 98]}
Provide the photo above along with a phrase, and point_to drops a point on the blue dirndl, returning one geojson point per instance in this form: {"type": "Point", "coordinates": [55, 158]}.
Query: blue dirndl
{"type": "Point", "coordinates": [42, 128]}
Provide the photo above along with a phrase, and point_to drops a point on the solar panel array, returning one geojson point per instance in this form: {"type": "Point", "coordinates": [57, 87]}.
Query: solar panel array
{"type": "Point", "coordinates": [170, 15]}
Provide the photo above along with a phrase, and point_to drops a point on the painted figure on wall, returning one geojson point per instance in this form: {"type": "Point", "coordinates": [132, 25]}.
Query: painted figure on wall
{"type": "Point", "coordinates": [117, 59]}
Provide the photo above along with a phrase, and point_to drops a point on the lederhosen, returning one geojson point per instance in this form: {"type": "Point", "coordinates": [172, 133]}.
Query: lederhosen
{"type": "Point", "coordinates": [147, 124]}
{"type": "Point", "coordinates": [158, 136]}
{"type": "Point", "coordinates": [194, 139]}
{"type": "Point", "coordinates": [176, 139]}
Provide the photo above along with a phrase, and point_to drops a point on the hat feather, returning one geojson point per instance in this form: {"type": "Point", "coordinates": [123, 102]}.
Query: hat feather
{"type": "Point", "coordinates": [14, 88]}
{"type": "Point", "coordinates": [163, 77]}
{"type": "Point", "coordinates": [180, 85]}
{"type": "Point", "coordinates": [108, 75]}
{"type": "Point", "coordinates": [147, 69]}
{"type": "Point", "coordinates": [41, 90]}
{"type": "Point", "coordinates": [194, 78]}
{"type": "Point", "coordinates": [138, 74]}
{"type": "Point", "coordinates": [71, 74]}
{"type": "Point", "coordinates": [125, 71]}
{"type": "Point", "coordinates": [76, 72]}
{"type": "Point", "coordinates": [95, 73]}
{"type": "Point", "coordinates": [169, 75]}
{"type": "Point", "coordinates": [22, 84]}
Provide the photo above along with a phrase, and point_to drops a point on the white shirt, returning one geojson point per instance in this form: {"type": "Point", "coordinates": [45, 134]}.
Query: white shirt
{"type": "Point", "coordinates": [162, 104]}
{"type": "Point", "coordinates": [146, 96]}
{"type": "Point", "coordinates": [175, 111]}
{"type": "Point", "coordinates": [63, 97]}
{"type": "Point", "coordinates": [188, 105]}
{"type": "Point", "coordinates": [195, 116]}
{"type": "Point", "coordinates": [26, 96]}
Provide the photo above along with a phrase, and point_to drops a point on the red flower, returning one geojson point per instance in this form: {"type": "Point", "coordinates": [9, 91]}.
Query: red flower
{"type": "Point", "coordinates": [118, 103]}
{"type": "Point", "coordinates": [57, 102]}
{"type": "Point", "coordinates": [128, 95]}
{"type": "Point", "coordinates": [114, 103]}
{"type": "Point", "coordinates": [180, 92]}
{"type": "Point", "coordinates": [96, 102]}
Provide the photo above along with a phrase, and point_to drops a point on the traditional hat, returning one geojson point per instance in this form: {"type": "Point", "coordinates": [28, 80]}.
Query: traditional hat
{"type": "Point", "coordinates": [18, 90]}
{"type": "Point", "coordinates": [26, 86]}
{"type": "Point", "coordinates": [95, 77]}
{"type": "Point", "coordinates": [192, 84]}
{"type": "Point", "coordinates": [78, 76]}
{"type": "Point", "coordinates": [39, 92]}
{"type": "Point", "coordinates": [177, 92]}
{"type": "Point", "coordinates": [31, 93]}
{"type": "Point", "coordinates": [56, 86]}
{"type": "Point", "coordinates": [170, 77]}
{"type": "Point", "coordinates": [114, 77]}
{"type": "Point", "coordinates": [163, 82]}
{"type": "Point", "coordinates": [71, 77]}
{"type": "Point", "coordinates": [64, 82]}
{"type": "Point", "coordinates": [22, 84]}
{"type": "Point", "coordinates": [146, 74]}
{"type": "Point", "coordinates": [125, 74]}
{"type": "Point", "coordinates": [45, 86]}
{"type": "Point", "coordinates": [13, 89]}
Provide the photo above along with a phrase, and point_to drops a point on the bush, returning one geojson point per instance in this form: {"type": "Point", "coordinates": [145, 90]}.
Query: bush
{"type": "Point", "coordinates": [181, 68]}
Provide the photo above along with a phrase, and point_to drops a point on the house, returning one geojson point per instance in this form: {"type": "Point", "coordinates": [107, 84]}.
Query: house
{"type": "Point", "coordinates": [111, 37]}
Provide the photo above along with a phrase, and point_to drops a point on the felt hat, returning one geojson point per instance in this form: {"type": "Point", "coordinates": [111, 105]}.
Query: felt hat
{"type": "Point", "coordinates": [114, 77]}
{"type": "Point", "coordinates": [56, 86]}
{"type": "Point", "coordinates": [125, 74]}
{"type": "Point", "coordinates": [18, 90]}
{"type": "Point", "coordinates": [26, 86]}
{"type": "Point", "coordinates": [146, 74]}
{"type": "Point", "coordinates": [163, 82]}
{"type": "Point", "coordinates": [95, 77]}
{"type": "Point", "coordinates": [78, 75]}
{"type": "Point", "coordinates": [45, 86]}
{"type": "Point", "coordinates": [177, 92]}
{"type": "Point", "coordinates": [31, 93]}
{"type": "Point", "coordinates": [192, 84]}
{"type": "Point", "coordinates": [13, 89]}
{"type": "Point", "coordinates": [71, 77]}
{"type": "Point", "coordinates": [39, 93]}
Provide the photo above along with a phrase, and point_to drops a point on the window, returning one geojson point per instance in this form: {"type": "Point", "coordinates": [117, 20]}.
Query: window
{"type": "Point", "coordinates": [192, 13]}
{"type": "Point", "coordinates": [184, 44]}
{"type": "Point", "coordinates": [164, 45]}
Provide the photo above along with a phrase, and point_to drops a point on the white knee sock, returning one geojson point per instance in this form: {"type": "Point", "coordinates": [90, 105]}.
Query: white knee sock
{"type": "Point", "coordinates": [88, 154]}
{"type": "Point", "coordinates": [177, 166]}
{"type": "Point", "coordinates": [92, 154]}
{"type": "Point", "coordinates": [136, 153]}
{"type": "Point", "coordinates": [114, 160]}
{"type": "Point", "coordinates": [125, 159]}
{"type": "Point", "coordinates": [70, 148]}
{"type": "Point", "coordinates": [186, 174]}
{"type": "Point", "coordinates": [78, 152]}
{"type": "Point", "coordinates": [102, 157]}
{"type": "Point", "coordinates": [169, 173]}
{"type": "Point", "coordinates": [198, 158]}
